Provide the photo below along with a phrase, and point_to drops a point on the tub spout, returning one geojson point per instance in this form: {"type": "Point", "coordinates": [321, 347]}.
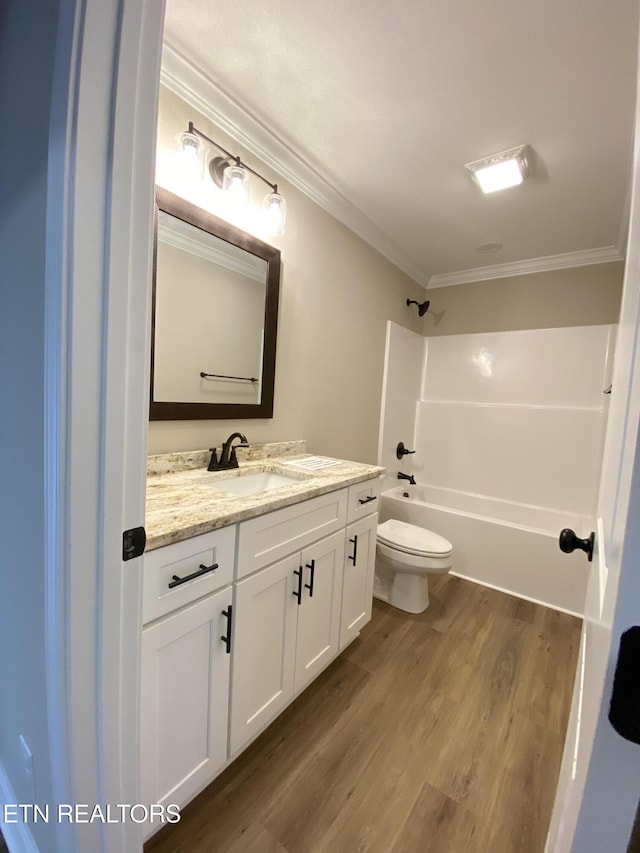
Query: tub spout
{"type": "Point", "coordinates": [409, 477]}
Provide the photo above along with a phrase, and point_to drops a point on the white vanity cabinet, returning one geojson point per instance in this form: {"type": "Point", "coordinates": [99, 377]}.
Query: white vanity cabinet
{"type": "Point", "coordinates": [238, 621]}
{"type": "Point", "coordinates": [359, 559]}
{"type": "Point", "coordinates": [286, 615]}
{"type": "Point", "coordinates": [184, 699]}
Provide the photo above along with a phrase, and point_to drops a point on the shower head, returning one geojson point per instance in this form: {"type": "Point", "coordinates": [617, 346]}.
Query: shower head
{"type": "Point", "coordinates": [423, 307]}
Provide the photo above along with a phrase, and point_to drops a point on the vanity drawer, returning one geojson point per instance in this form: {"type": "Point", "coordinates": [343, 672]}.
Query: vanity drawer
{"type": "Point", "coordinates": [364, 498]}
{"type": "Point", "coordinates": [182, 560]}
{"type": "Point", "coordinates": [275, 535]}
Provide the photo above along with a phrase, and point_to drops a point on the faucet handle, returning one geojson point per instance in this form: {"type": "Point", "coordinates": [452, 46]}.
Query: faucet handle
{"type": "Point", "coordinates": [214, 459]}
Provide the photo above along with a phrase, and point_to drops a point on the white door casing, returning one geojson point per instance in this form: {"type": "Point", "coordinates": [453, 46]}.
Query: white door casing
{"type": "Point", "coordinates": [599, 781]}
{"type": "Point", "coordinates": [99, 229]}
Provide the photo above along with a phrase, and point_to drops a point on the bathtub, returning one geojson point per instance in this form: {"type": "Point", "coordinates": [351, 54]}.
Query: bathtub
{"type": "Point", "coordinates": [502, 544]}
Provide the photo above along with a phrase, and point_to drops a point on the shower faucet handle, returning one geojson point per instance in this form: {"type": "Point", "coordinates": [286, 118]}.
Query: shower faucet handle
{"type": "Point", "coordinates": [401, 450]}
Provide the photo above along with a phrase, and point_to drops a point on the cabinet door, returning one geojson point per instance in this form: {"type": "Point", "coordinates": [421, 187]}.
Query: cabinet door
{"type": "Point", "coordinates": [184, 700]}
{"type": "Point", "coordinates": [357, 584]}
{"type": "Point", "coordinates": [319, 612]}
{"type": "Point", "coordinates": [264, 637]}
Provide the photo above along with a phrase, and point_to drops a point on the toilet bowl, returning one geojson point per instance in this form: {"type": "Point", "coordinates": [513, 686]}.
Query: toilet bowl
{"type": "Point", "coordinates": [405, 555]}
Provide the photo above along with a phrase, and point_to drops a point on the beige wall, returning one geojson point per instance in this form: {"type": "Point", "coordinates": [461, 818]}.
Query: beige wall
{"type": "Point", "coordinates": [580, 296]}
{"type": "Point", "coordinates": [336, 296]}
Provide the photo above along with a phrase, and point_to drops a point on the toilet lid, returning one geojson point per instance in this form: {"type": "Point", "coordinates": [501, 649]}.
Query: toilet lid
{"type": "Point", "coordinates": [412, 539]}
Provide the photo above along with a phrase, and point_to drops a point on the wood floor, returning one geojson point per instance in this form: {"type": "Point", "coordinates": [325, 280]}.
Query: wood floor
{"type": "Point", "coordinates": [441, 732]}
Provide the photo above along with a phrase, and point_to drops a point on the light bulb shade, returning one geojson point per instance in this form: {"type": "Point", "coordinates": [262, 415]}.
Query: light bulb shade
{"type": "Point", "coordinates": [276, 213]}
{"type": "Point", "coordinates": [236, 182]}
{"type": "Point", "coordinates": [190, 153]}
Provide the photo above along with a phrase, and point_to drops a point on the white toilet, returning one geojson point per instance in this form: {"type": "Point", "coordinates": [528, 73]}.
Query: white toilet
{"type": "Point", "coordinates": [405, 555]}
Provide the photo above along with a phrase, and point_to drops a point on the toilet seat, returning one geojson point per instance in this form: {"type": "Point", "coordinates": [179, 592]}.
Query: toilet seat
{"type": "Point", "coordinates": [413, 540]}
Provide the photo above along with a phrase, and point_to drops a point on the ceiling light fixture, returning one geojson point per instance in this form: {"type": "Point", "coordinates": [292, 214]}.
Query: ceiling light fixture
{"type": "Point", "coordinates": [500, 171]}
{"type": "Point", "coordinates": [232, 175]}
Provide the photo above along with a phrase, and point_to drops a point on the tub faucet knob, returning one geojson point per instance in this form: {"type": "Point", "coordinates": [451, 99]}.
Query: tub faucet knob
{"type": "Point", "coordinates": [401, 450]}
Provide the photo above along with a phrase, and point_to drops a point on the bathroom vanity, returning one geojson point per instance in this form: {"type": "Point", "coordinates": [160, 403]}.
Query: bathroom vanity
{"type": "Point", "coordinates": [254, 580]}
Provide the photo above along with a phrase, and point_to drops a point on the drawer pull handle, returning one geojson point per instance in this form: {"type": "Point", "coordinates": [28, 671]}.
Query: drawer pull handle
{"type": "Point", "coordinates": [227, 640]}
{"type": "Point", "coordinates": [355, 549]}
{"type": "Point", "coordinates": [367, 500]}
{"type": "Point", "coordinates": [309, 586]}
{"type": "Point", "coordinates": [298, 594]}
{"type": "Point", "coordinates": [203, 571]}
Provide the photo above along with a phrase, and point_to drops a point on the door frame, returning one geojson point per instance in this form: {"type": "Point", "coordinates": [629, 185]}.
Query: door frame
{"type": "Point", "coordinates": [595, 804]}
{"type": "Point", "coordinates": [97, 333]}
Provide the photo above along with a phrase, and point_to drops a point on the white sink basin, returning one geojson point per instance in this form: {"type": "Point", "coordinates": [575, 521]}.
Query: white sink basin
{"type": "Point", "coordinates": [251, 484]}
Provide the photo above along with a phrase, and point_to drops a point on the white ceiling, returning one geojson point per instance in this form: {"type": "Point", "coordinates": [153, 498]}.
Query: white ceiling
{"type": "Point", "coordinates": [387, 102]}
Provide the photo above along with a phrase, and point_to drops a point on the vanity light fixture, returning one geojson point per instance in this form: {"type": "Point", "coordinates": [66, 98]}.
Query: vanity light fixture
{"type": "Point", "coordinates": [191, 153]}
{"type": "Point", "coordinates": [423, 307]}
{"type": "Point", "coordinates": [232, 175]}
{"type": "Point", "coordinates": [499, 171]}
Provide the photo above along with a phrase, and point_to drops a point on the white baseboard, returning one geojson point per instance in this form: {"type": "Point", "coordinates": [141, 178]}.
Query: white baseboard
{"type": "Point", "coordinates": [518, 595]}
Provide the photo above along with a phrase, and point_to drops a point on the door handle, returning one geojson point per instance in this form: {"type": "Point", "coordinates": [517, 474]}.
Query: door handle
{"type": "Point", "coordinates": [226, 639]}
{"type": "Point", "coordinates": [312, 568]}
{"type": "Point", "coordinates": [298, 594]}
{"type": "Point", "coordinates": [202, 571]}
{"type": "Point", "coordinates": [568, 542]}
{"type": "Point", "coordinates": [354, 557]}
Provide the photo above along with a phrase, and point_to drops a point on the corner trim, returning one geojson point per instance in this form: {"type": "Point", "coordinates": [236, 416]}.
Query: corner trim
{"type": "Point", "coordinates": [182, 77]}
{"type": "Point", "coordinates": [603, 255]}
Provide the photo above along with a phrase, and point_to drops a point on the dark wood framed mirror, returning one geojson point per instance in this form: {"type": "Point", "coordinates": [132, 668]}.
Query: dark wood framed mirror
{"type": "Point", "coordinates": [214, 316]}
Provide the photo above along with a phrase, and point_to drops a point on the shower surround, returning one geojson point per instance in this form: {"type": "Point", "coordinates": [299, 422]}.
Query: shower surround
{"type": "Point", "coordinates": [508, 429]}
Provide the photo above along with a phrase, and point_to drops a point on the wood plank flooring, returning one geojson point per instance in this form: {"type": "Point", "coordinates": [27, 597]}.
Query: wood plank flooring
{"type": "Point", "coordinates": [441, 732]}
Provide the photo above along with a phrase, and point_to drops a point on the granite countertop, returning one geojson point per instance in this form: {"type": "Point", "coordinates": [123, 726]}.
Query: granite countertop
{"type": "Point", "coordinates": [182, 500]}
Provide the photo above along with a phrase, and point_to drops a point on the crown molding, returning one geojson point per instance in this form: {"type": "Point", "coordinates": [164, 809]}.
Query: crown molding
{"type": "Point", "coordinates": [185, 79]}
{"type": "Point", "coordinates": [604, 255]}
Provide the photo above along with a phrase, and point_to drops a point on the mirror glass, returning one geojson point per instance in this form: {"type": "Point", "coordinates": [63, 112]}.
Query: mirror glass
{"type": "Point", "coordinates": [214, 316]}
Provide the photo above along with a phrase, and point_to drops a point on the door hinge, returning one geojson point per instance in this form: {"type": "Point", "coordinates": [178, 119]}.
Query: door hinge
{"type": "Point", "coordinates": [133, 542]}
